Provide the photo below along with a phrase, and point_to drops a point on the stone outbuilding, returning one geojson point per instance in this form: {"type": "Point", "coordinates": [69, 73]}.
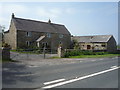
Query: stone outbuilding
{"type": "Point", "coordinates": [96, 42]}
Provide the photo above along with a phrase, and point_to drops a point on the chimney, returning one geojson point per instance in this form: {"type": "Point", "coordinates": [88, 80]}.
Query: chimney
{"type": "Point", "coordinates": [13, 15]}
{"type": "Point", "coordinates": [49, 21]}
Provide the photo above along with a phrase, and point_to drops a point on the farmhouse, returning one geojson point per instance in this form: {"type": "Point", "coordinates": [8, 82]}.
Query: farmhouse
{"type": "Point", "coordinates": [97, 42]}
{"type": "Point", "coordinates": [25, 33]}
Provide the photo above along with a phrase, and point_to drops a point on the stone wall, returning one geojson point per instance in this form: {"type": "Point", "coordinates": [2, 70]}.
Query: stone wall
{"type": "Point", "coordinates": [111, 45]}
{"type": "Point", "coordinates": [5, 53]}
{"type": "Point", "coordinates": [10, 37]}
{"type": "Point", "coordinates": [53, 41]}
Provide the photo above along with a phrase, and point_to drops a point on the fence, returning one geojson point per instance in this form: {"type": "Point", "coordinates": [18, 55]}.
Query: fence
{"type": "Point", "coordinates": [32, 54]}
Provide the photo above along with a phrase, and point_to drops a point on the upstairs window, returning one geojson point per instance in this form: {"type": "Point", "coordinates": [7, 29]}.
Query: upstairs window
{"type": "Point", "coordinates": [48, 35]}
{"type": "Point", "coordinates": [28, 34]}
{"type": "Point", "coordinates": [61, 36]}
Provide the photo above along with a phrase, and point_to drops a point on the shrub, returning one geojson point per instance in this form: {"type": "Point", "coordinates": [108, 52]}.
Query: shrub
{"type": "Point", "coordinates": [100, 53]}
{"type": "Point", "coordinates": [71, 53]}
{"type": "Point", "coordinates": [6, 45]}
{"type": "Point", "coordinates": [78, 53]}
{"type": "Point", "coordinates": [20, 50]}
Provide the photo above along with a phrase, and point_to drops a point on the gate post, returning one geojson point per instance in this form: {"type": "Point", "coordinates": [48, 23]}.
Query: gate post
{"type": "Point", "coordinates": [60, 52]}
{"type": "Point", "coordinates": [6, 53]}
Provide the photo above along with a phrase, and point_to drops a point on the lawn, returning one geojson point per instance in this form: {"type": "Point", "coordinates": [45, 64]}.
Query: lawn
{"type": "Point", "coordinates": [95, 56]}
{"type": "Point", "coordinates": [26, 52]}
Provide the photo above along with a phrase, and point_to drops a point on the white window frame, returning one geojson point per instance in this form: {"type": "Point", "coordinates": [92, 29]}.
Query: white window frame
{"type": "Point", "coordinates": [49, 35]}
{"type": "Point", "coordinates": [28, 43]}
{"type": "Point", "coordinates": [28, 34]}
{"type": "Point", "coordinates": [61, 35]}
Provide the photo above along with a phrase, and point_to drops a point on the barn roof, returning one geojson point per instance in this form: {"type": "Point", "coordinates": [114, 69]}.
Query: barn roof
{"type": "Point", "coordinates": [38, 26]}
{"type": "Point", "coordinates": [96, 38]}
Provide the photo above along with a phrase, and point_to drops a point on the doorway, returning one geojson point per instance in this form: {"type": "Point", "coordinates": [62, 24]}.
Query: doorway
{"type": "Point", "coordinates": [88, 47]}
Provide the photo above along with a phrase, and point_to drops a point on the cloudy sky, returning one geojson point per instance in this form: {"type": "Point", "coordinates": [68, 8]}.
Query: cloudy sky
{"type": "Point", "coordinates": [80, 18]}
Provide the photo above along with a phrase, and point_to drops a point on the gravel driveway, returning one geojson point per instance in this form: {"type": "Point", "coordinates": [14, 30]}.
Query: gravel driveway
{"type": "Point", "coordinates": [23, 56]}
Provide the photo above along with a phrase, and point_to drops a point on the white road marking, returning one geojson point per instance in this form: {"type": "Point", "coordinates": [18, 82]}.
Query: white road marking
{"type": "Point", "coordinates": [23, 75]}
{"type": "Point", "coordinates": [101, 59]}
{"type": "Point", "coordinates": [113, 67]}
{"type": "Point", "coordinates": [5, 69]}
{"type": "Point", "coordinates": [80, 78]}
{"type": "Point", "coordinates": [32, 66]}
{"type": "Point", "coordinates": [93, 60]}
{"type": "Point", "coordinates": [55, 81]}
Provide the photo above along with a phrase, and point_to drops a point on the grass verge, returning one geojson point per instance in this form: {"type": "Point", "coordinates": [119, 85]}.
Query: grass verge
{"type": "Point", "coordinates": [95, 56]}
{"type": "Point", "coordinates": [27, 52]}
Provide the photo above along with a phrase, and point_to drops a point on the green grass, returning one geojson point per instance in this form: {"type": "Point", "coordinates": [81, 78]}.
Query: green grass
{"type": "Point", "coordinates": [54, 57]}
{"type": "Point", "coordinates": [26, 52]}
{"type": "Point", "coordinates": [89, 56]}
{"type": "Point", "coordinates": [95, 56]}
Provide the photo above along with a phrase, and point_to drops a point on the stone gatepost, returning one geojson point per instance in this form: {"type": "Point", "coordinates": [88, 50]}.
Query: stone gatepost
{"type": "Point", "coordinates": [6, 53]}
{"type": "Point", "coordinates": [60, 52]}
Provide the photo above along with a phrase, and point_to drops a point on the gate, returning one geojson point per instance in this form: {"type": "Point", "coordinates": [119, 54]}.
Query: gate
{"type": "Point", "coordinates": [33, 54]}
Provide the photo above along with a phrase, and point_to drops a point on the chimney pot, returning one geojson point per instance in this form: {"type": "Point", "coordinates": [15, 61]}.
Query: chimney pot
{"type": "Point", "coordinates": [13, 15]}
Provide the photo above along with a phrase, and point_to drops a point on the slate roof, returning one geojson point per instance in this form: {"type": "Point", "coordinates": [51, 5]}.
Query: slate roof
{"type": "Point", "coordinates": [38, 26]}
{"type": "Point", "coordinates": [96, 38]}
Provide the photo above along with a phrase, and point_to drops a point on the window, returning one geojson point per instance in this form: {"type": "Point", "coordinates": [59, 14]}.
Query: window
{"type": "Point", "coordinates": [60, 42]}
{"type": "Point", "coordinates": [28, 34]}
{"type": "Point", "coordinates": [103, 45]}
{"type": "Point", "coordinates": [61, 36]}
{"type": "Point", "coordinates": [96, 45]}
{"type": "Point", "coordinates": [88, 47]}
{"type": "Point", "coordinates": [44, 44]}
{"type": "Point", "coordinates": [48, 35]}
{"type": "Point", "coordinates": [28, 43]}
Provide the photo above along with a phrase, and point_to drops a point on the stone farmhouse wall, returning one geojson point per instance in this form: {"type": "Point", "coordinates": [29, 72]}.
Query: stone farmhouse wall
{"type": "Point", "coordinates": [11, 36]}
{"type": "Point", "coordinates": [53, 41]}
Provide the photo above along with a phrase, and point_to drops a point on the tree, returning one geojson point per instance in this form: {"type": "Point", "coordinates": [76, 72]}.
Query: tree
{"type": "Point", "coordinates": [118, 46]}
{"type": "Point", "coordinates": [2, 28]}
{"type": "Point", "coordinates": [76, 44]}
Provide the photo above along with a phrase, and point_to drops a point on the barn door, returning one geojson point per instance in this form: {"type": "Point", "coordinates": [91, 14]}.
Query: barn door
{"type": "Point", "coordinates": [88, 47]}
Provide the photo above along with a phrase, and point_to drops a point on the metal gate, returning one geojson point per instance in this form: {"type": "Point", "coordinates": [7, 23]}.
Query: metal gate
{"type": "Point", "coordinates": [31, 54]}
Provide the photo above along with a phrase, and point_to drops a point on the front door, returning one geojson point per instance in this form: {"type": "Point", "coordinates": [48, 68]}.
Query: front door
{"type": "Point", "coordinates": [88, 47]}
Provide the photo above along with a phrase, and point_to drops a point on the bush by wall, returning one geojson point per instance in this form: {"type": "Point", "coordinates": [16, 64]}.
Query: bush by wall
{"type": "Point", "coordinates": [69, 53]}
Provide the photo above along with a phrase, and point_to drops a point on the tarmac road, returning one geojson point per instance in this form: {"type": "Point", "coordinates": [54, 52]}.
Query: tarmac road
{"type": "Point", "coordinates": [62, 73]}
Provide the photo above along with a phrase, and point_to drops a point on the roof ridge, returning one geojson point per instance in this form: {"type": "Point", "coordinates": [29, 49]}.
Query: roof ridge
{"type": "Point", "coordinates": [92, 35]}
{"type": "Point", "coordinates": [39, 26]}
{"type": "Point", "coordinates": [37, 21]}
